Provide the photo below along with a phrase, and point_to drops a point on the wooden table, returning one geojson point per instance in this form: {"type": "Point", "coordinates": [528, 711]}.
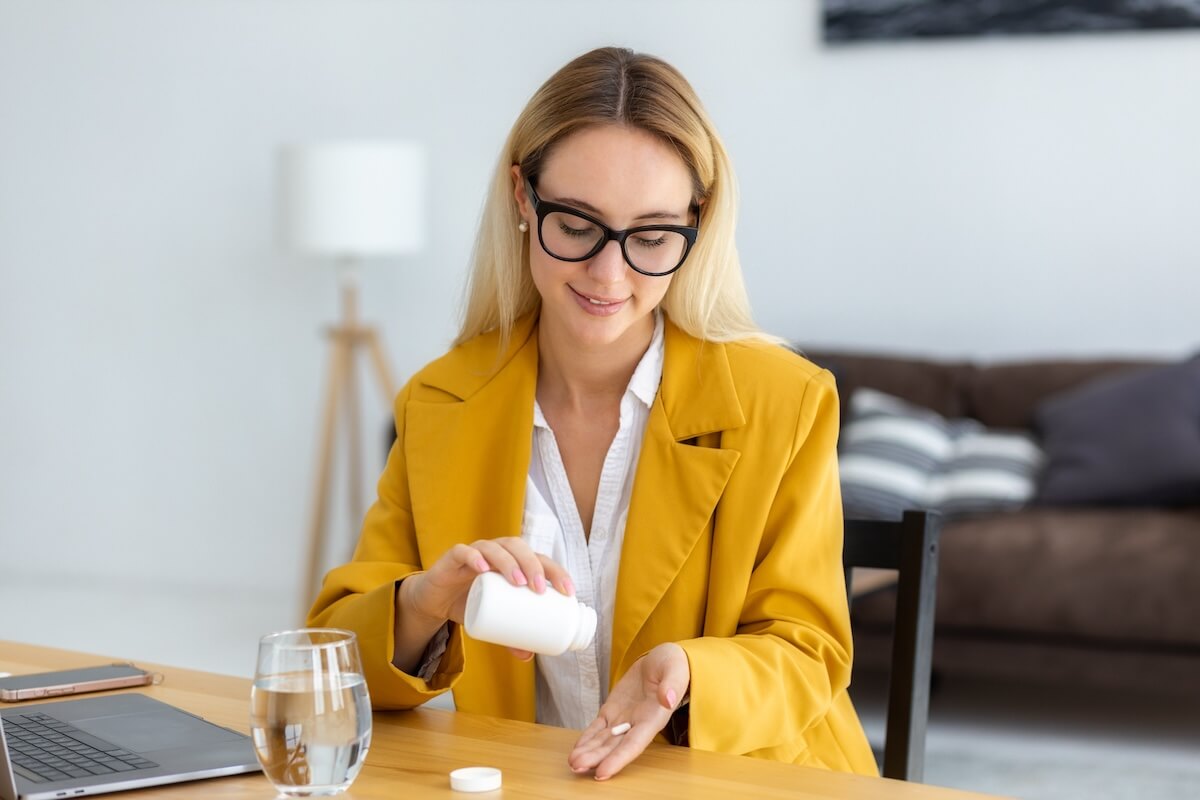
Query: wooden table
{"type": "Point", "coordinates": [868, 580]}
{"type": "Point", "coordinates": [412, 753]}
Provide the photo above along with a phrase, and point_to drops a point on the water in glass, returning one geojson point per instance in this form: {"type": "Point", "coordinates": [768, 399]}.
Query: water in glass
{"type": "Point", "coordinates": [310, 715]}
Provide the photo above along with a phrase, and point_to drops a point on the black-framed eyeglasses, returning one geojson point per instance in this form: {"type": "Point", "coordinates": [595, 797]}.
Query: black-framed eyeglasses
{"type": "Point", "coordinates": [571, 235]}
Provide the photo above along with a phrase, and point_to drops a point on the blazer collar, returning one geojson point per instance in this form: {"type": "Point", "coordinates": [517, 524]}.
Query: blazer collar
{"type": "Point", "coordinates": [473, 364]}
{"type": "Point", "coordinates": [697, 389]}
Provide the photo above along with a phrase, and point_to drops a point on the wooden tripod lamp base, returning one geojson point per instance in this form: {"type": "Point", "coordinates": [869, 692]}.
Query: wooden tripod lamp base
{"type": "Point", "coordinates": [349, 200]}
{"type": "Point", "coordinates": [348, 339]}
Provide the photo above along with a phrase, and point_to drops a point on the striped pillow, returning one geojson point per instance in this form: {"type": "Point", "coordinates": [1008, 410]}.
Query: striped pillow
{"type": "Point", "coordinates": [895, 456]}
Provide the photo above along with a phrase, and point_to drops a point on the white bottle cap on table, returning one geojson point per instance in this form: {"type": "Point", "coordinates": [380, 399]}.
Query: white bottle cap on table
{"type": "Point", "coordinates": [475, 779]}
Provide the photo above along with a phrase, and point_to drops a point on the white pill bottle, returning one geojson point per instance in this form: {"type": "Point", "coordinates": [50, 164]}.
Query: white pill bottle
{"type": "Point", "coordinates": [549, 624]}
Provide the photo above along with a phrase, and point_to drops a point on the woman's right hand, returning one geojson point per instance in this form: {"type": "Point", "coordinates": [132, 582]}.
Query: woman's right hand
{"type": "Point", "coordinates": [440, 593]}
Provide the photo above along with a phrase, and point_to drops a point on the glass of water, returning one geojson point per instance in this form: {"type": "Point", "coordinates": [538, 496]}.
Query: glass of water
{"type": "Point", "coordinates": [310, 715]}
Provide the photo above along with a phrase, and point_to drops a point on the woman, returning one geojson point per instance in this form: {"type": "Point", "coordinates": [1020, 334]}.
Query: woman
{"type": "Point", "coordinates": [611, 423]}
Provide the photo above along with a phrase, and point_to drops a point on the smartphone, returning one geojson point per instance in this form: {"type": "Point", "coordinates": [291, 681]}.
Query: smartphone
{"type": "Point", "coordinates": [72, 681]}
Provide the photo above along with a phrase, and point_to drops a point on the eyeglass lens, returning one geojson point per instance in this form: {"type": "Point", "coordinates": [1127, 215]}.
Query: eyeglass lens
{"type": "Point", "coordinates": [565, 235]}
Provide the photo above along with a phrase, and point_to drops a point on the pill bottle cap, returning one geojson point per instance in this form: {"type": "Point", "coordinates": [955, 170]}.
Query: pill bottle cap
{"type": "Point", "coordinates": [475, 779]}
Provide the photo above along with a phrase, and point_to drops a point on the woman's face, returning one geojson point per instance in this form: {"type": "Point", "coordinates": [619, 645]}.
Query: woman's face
{"type": "Point", "coordinates": [625, 177]}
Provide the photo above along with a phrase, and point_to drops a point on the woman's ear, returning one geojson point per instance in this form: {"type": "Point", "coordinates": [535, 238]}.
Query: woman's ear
{"type": "Point", "coordinates": [524, 208]}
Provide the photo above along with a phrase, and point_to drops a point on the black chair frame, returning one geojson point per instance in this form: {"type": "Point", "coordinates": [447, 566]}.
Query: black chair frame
{"type": "Point", "coordinates": [910, 546]}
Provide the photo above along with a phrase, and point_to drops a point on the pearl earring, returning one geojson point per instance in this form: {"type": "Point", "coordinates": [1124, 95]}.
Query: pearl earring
{"type": "Point", "coordinates": [523, 226]}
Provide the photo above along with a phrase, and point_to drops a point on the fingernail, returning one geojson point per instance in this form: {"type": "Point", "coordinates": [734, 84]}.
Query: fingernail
{"type": "Point", "coordinates": [481, 565]}
{"type": "Point", "coordinates": [570, 587]}
{"type": "Point", "coordinates": [671, 696]}
{"type": "Point", "coordinates": [539, 583]}
{"type": "Point", "coordinates": [519, 578]}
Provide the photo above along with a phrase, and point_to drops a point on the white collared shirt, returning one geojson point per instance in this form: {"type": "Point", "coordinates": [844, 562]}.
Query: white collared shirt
{"type": "Point", "coordinates": [572, 686]}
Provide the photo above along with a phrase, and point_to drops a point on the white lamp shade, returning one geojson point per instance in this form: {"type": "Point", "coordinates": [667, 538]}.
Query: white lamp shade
{"type": "Point", "coordinates": [352, 199]}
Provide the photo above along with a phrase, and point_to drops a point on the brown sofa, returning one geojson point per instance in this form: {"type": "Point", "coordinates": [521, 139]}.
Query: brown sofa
{"type": "Point", "coordinates": [1103, 595]}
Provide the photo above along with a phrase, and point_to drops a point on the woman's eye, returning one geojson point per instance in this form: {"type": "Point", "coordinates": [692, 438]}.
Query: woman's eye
{"type": "Point", "coordinates": [570, 230]}
{"type": "Point", "coordinates": [650, 241]}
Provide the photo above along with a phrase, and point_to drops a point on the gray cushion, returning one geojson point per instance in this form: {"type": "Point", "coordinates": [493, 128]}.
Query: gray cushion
{"type": "Point", "coordinates": [895, 456]}
{"type": "Point", "coordinates": [1126, 439]}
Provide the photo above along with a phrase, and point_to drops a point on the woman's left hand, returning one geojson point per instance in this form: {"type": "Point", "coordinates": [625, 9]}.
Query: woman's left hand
{"type": "Point", "coordinates": [645, 697]}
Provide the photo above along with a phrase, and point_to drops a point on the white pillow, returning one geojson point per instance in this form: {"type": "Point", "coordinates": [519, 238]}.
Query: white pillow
{"type": "Point", "coordinates": [895, 456]}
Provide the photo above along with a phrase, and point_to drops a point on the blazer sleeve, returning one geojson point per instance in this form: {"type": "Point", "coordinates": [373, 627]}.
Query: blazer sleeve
{"type": "Point", "coordinates": [361, 596]}
{"type": "Point", "coordinates": [776, 678]}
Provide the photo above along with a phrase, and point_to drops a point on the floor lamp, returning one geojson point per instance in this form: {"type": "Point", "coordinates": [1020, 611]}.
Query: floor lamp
{"type": "Point", "coordinates": [347, 202]}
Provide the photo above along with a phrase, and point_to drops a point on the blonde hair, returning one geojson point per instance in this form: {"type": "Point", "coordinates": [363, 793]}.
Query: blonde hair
{"type": "Point", "coordinates": [615, 86]}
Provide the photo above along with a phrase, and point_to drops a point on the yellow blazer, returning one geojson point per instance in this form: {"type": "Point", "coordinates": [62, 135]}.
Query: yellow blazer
{"type": "Point", "coordinates": [732, 544]}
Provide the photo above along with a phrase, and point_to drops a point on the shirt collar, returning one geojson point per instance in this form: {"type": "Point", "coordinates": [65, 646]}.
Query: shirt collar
{"type": "Point", "coordinates": [647, 376]}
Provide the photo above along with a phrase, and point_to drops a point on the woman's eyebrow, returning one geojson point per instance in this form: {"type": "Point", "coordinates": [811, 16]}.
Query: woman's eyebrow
{"type": "Point", "coordinates": [583, 205]}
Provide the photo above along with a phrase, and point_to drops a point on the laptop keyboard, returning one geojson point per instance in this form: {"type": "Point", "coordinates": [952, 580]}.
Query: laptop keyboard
{"type": "Point", "coordinates": [42, 749]}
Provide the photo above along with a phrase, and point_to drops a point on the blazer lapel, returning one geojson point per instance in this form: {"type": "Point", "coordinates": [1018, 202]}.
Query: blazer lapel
{"type": "Point", "coordinates": [468, 442]}
{"type": "Point", "coordinates": [468, 452]}
{"type": "Point", "coordinates": [678, 484]}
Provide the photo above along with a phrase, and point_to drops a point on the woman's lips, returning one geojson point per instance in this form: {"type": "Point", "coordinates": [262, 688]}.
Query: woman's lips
{"type": "Point", "coordinates": [598, 306]}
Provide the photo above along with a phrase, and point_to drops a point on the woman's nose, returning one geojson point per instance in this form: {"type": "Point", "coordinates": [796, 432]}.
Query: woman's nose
{"type": "Point", "coordinates": [608, 266]}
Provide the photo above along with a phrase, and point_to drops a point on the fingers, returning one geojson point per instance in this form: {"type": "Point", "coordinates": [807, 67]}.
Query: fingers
{"type": "Point", "coordinates": [513, 558]}
{"type": "Point", "coordinates": [436, 592]}
{"type": "Point", "coordinates": [459, 566]}
{"type": "Point", "coordinates": [473, 558]}
{"type": "Point", "coordinates": [638, 707]}
{"type": "Point", "coordinates": [631, 744]}
{"type": "Point", "coordinates": [635, 717]}
{"type": "Point", "coordinates": [669, 668]}
{"type": "Point", "coordinates": [593, 745]}
{"type": "Point", "coordinates": [441, 591]}
{"type": "Point", "coordinates": [590, 735]}
{"type": "Point", "coordinates": [557, 575]}
{"type": "Point", "coordinates": [668, 694]}
{"type": "Point", "coordinates": [608, 753]}
{"type": "Point", "coordinates": [500, 560]}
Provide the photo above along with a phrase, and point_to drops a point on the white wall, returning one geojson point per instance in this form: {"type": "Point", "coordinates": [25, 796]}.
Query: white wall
{"type": "Point", "coordinates": [161, 364]}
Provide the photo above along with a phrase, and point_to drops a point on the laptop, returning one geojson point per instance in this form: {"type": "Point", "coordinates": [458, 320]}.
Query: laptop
{"type": "Point", "coordinates": [109, 744]}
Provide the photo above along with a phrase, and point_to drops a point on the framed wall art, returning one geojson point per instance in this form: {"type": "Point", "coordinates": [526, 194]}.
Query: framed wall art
{"type": "Point", "coordinates": [867, 20]}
